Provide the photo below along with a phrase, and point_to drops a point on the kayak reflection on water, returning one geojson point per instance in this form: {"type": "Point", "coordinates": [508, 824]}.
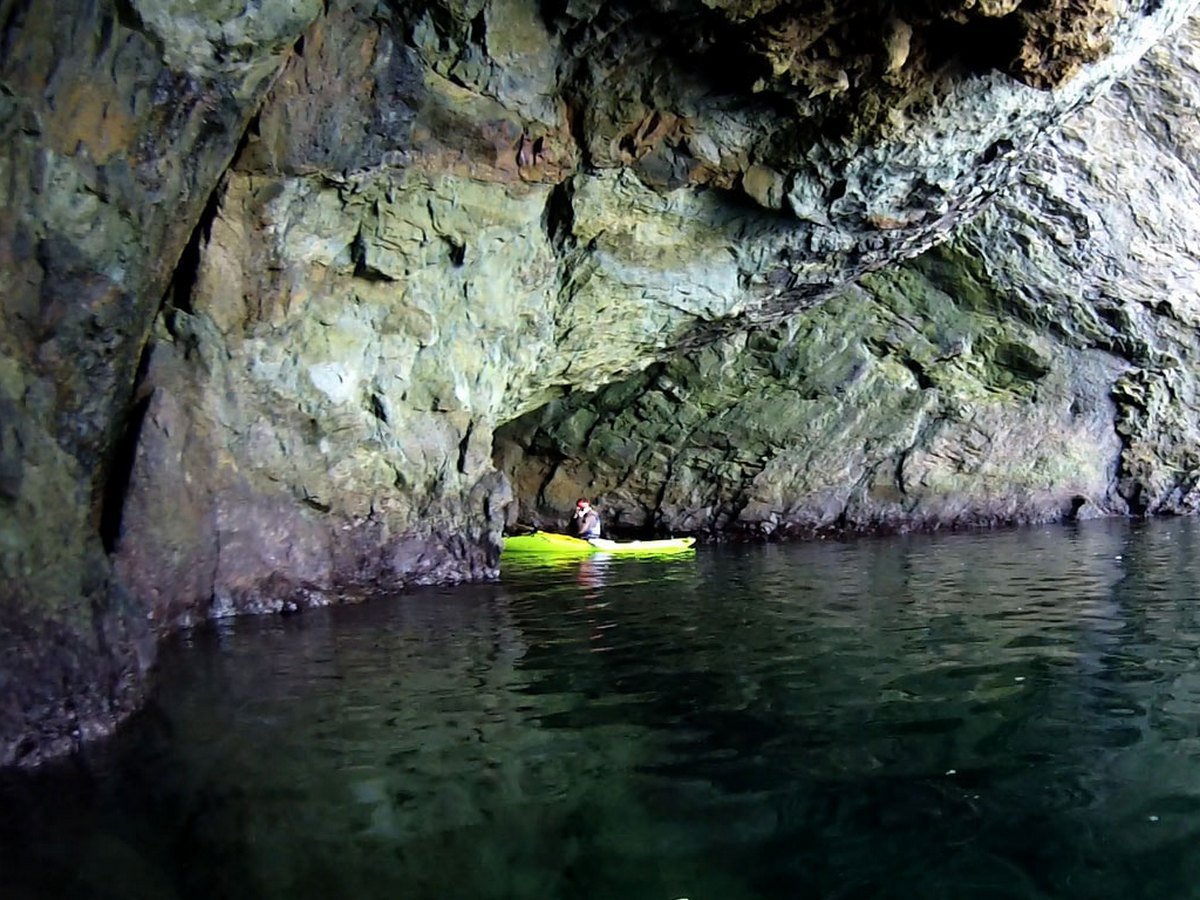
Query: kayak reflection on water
{"type": "Point", "coordinates": [591, 574]}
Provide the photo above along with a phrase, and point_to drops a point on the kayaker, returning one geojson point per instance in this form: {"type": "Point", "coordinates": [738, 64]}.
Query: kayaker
{"type": "Point", "coordinates": [586, 520]}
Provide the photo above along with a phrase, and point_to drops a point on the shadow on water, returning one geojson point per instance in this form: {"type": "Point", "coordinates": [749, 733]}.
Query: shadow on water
{"type": "Point", "coordinates": [1002, 715]}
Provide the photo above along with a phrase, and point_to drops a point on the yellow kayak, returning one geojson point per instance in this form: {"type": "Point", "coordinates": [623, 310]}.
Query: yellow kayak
{"type": "Point", "coordinates": [547, 543]}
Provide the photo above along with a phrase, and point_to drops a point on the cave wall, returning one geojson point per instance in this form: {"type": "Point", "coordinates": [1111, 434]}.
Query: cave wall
{"type": "Point", "coordinates": [117, 120]}
{"type": "Point", "coordinates": [274, 274]}
{"type": "Point", "coordinates": [1097, 246]}
{"type": "Point", "coordinates": [1039, 366]}
{"type": "Point", "coordinates": [446, 216]}
{"type": "Point", "coordinates": [889, 408]}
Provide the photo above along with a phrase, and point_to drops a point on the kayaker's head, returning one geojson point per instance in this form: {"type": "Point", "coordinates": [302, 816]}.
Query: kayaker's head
{"type": "Point", "coordinates": [581, 504]}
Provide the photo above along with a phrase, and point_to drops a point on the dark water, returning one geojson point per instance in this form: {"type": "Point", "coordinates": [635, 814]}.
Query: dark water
{"type": "Point", "coordinates": [976, 716]}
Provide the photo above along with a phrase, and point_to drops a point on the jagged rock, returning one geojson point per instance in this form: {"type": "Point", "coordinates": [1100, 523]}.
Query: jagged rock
{"type": "Point", "coordinates": [1034, 368]}
{"type": "Point", "coordinates": [889, 408]}
{"type": "Point", "coordinates": [1096, 246]}
{"type": "Point", "coordinates": [432, 276]}
{"type": "Point", "coordinates": [109, 155]}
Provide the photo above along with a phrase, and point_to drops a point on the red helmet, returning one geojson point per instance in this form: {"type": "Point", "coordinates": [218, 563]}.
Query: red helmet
{"type": "Point", "coordinates": [580, 504]}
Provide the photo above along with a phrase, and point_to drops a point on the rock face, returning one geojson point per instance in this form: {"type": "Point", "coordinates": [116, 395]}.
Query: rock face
{"type": "Point", "coordinates": [117, 122]}
{"type": "Point", "coordinates": [1104, 255]}
{"type": "Point", "coordinates": [1032, 369]}
{"type": "Point", "coordinates": [891, 407]}
{"type": "Point", "coordinates": [274, 274]}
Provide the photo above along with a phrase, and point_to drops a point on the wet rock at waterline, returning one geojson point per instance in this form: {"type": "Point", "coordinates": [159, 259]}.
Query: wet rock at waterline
{"type": "Point", "coordinates": [273, 277]}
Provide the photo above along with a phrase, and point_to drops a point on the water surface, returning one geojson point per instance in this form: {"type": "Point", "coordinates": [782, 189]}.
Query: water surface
{"type": "Point", "coordinates": [1012, 714]}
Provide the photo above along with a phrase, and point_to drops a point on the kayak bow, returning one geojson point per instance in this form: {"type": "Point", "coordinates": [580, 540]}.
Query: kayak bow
{"type": "Point", "coordinates": [547, 543]}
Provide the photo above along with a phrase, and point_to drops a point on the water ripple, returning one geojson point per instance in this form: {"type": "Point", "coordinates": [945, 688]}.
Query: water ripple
{"type": "Point", "coordinates": [1004, 715]}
